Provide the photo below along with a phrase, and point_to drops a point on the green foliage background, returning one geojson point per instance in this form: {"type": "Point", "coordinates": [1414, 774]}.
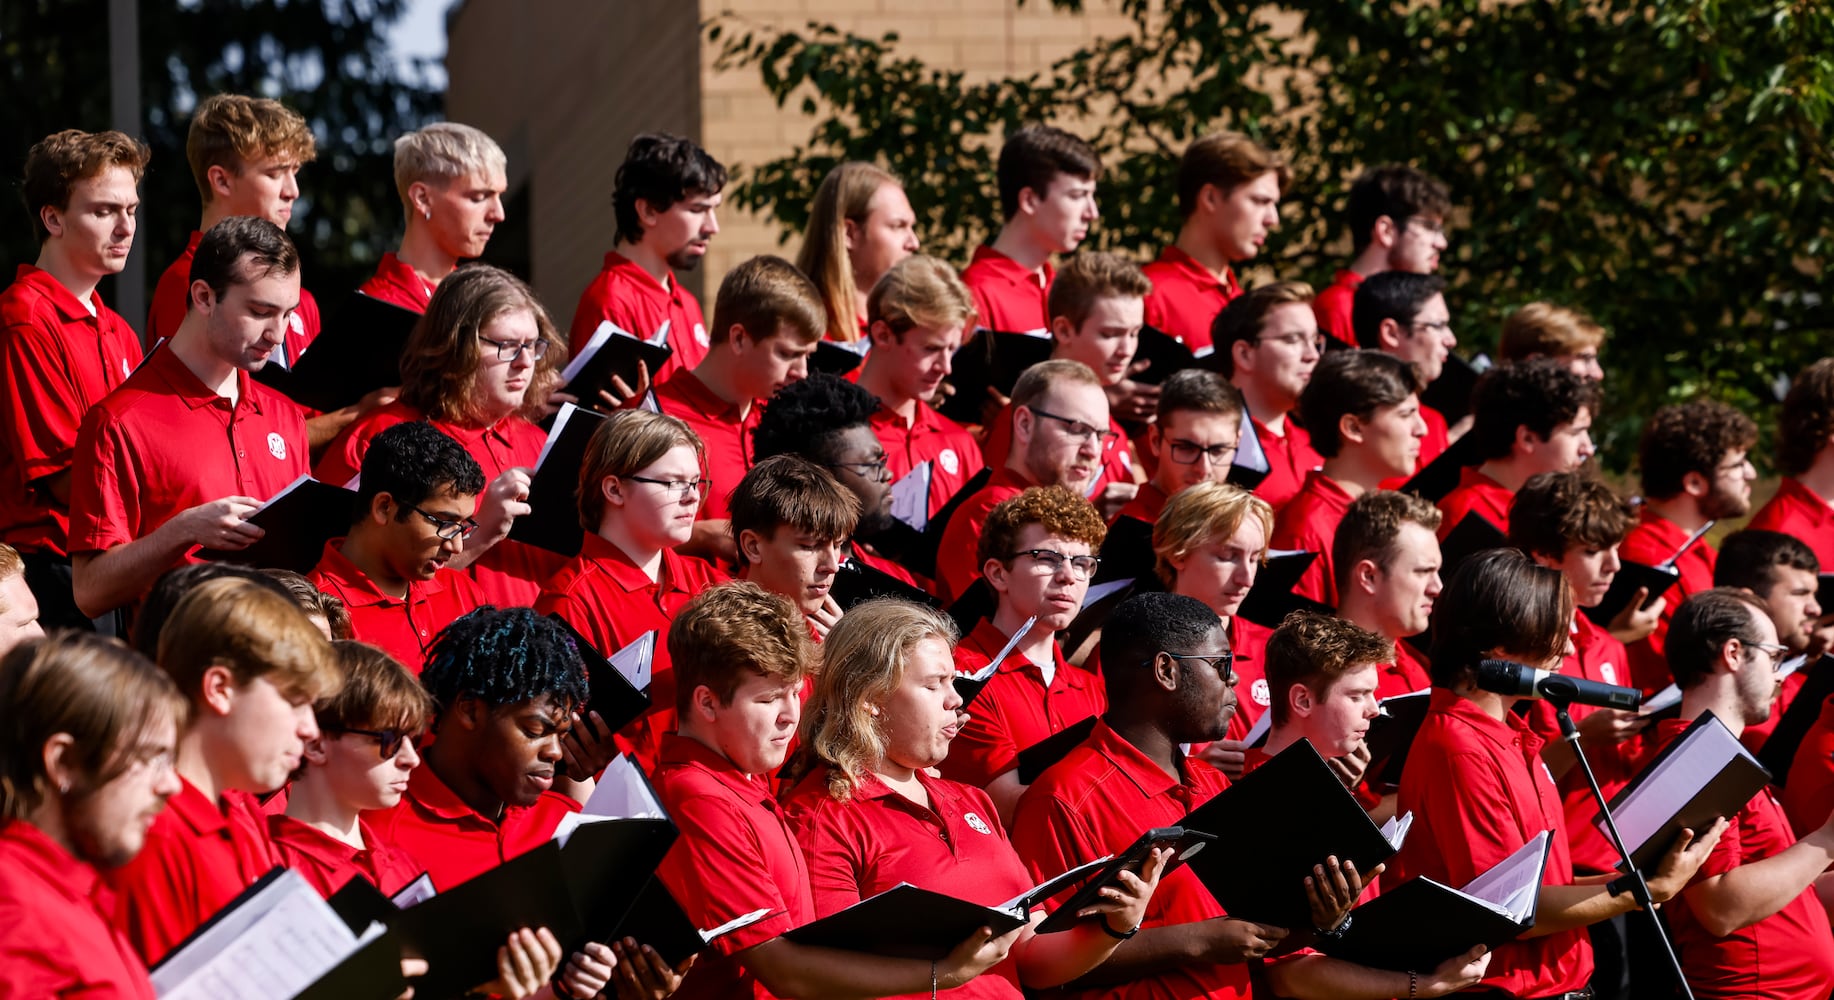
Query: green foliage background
{"type": "Point", "coordinates": [1662, 164]}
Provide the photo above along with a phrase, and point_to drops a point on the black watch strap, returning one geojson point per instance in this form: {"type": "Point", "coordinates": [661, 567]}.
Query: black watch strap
{"type": "Point", "coordinates": [1117, 935]}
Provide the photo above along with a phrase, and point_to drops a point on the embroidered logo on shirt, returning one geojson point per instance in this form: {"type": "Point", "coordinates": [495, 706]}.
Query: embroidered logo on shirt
{"type": "Point", "coordinates": [948, 461]}
{"type": "Point", "coordinates": [277, 445]}
{"type": "Point", "coordinates": [1609, 672]}
{"type": "Point", "coordinates": [1258, 691]}
{"type": "Point", "coordinates": [700, 335]}
{"type": "Point", "coordinates": [296, 324]}
{"type": "Point", "coordinates": [977, 824]}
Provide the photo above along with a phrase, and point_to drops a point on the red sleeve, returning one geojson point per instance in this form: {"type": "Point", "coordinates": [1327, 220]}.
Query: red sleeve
{"type": "Point", "coordinates": [717, 871]}
{"type": "Point", "coordinates": [1051, 838]}
{"type": "Point", "coordinates": [104, 496]}
{"type": "Point", "coordinates": [526, 829]}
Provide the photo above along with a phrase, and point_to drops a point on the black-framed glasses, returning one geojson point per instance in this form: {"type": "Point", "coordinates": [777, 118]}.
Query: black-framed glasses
{"type": "Point", "coordinates": [677, 489]}
{"type": "Point", "coordinates": [1222, 663]}
{"type": "Point", "coordinates": [445, 527]}
{"type": "Point", "coordinates": [1076, 428]}
{"type": "Point", "coordinates": [510, 350]}
{"type": "Point", "coordinates": [1186, 452]}
{"type": "Point", "coordinates": [875, 469]}
{"type": "Point", "coordinates": [1083, 567]}
{"type": "Point", "coordinates": [389, 740]}
{"type": "Point", "coordinates": [1776, 650]}
{"type": "Point", "coordinates": [1436, 326]}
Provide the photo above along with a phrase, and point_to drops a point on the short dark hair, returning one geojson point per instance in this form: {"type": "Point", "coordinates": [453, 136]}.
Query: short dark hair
{"type": "Point", "coordinates": [1690, 437]}
{"type": "Point", "coordinates": [1555, 511]}
{"type": "Point", "coordinates": [174, 584]}
{"type": "Point", "coordinates": [1390, 295]}
{"type": "Point", "coordinates": [1702, 625]}
{"type": "Point", "coordinates": [807, 418]}
{"type": "Point", "coordinates": [218, 261]}
{"type": "Point", "coordinates": [412, 462]}
{"type": "Point", "coordinates": [660, 169]}
{"type": "Point", "coordinates": [1397, 191]}
{"type": "Point", "coordinates": [1806, 421]}
{"type": "Point", "coordinates": [1370, 528]}
{"type": "Point", "coordinates": [1142, 626]}
{"type": "Point", "coordinates": [1353, 383]}
{"type": "Point", "coordinates": [1501, 600]}
{"type": "Point", "coordinates": [1034, 155]}
{"type": "Point", "coordinates": [503, 656]}
{"type": "Point", "coordinates": [1540, 395]}
{"type": "Point", "coordinates": [1243, 317]}
{"type": "Point", "coordinates": [1194, 390]}
{"type": "Point", "coordinates": [791, 491]}
{"type": "Point", "coordinates": [1315, 650]}
{"type": "Point", "coordinates": [1751, 559]}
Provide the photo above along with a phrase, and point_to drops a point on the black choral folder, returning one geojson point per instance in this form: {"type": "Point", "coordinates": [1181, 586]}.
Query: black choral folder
{"type": "Point", "coordinates": [1251, 465]}
{"type": "Point", "coordinates": [1631, 576]}
{"type": "Point", "coordinates": [609, 692]}
{"type": "Point", "coordinates": [657, 920]}
{"type": "Point", "coordinates": [1442, 474]}
{"type": "Point", "coordinates": [606, 863]}
{"type": "Point", "coordinates": [834, 357]}
{"type": "Point", "coordinates": [855, 583]}
{"type": "Point", "coordinates": [1467, 538]}
{"type": "Point", "coordinates": [373, 972]}
{"type": "Point", "coordinates": [920, 556]}
{"type": "Point", "coordinates": [1126, 552]}
{"type": "Point", "coordinates": [1164, 353]}
{"type": "Point", "coordinates": [552, 522]}
{"type": "Point", "coordinates": [1703, 775]}
{"type": "Point", "coordinates": [1391, 735]}
{"type": "Point", "coordinates": [459, 931]}
{"type": "Point", "coordinates": [1184, 845]}
{"type": "Point", "coordinates": [1038, 758]}
{"type": "Point", "coordinates": [612, 352]}
{"type": "Point", "coordinates": [991, 359]}
{"type": "Point", "coordinates": [358, 351]}
{"type": "Point", "coordinates": [299, 520]}
{"type": "Point", "coordinates": [1779, 750]}
{"type": "Point", "coordinates": [1450, 393]}
{"type": "Point", "coordinates": [1421, 923]}
{"type": "Point", "coordinates": [1272, 598]}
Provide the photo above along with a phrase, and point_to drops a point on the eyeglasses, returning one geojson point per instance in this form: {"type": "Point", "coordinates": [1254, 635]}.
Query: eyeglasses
{"type": "Point", "coordinates": [1316, 341]}
{"type": "Point", "coordinates": [510, 350]}
{"type": "Point", "coordinates": [1776, 650]}
{"type": "Point", "coordinates": [677, 489]}
{"type": "Point", "coordinates": [1435, 226]}
{"type": "Point", "coordinates": [1083, 567]}
{"type": "Point", "coordinates": [390, 740]}
{"type": "Point", "coordinates": [1186, 452]}
{"type": "Point", "coordinates": [1437, 326]}
{"type": "Point", "coordinates": [866, 470]}
{"type": "Point", "coordinates": [445, 527]}
{"type": "Point", "coordinates": [1222, 663]}
{"type": "Point", "coordinates": [1077, 429]}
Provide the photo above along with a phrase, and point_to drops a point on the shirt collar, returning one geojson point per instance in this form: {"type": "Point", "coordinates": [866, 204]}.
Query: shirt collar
{"type": "Point", "coordinates": [1198, 272]}
{"type": "Point", "coordinates": [168, 367]}
{"type": "Point", "coordinates": [48, 859]}
{"type": "Point", "coordinates": [191, 808]}
{"type": "Point", "coordinates": [433, 795]}
{"type": "Point", "coordinates": [359, 590]}
{"type": "Point", "coordinates": [684, 750]}
{"type": "Point", "coordinates": [615, 261]}
{"type": "Point", "coordinates": [705, 401]}
{"type": "Point", "coordinates": [1010, 270]}
{"type": "Point", "coordinates": [1136, 767]}
{"type": "Point", "coordinates": [1505, 734]}
{"type": "Point", "coordinates": [67, 304]}
{"type": "Point", "coordinates": [619, 567]}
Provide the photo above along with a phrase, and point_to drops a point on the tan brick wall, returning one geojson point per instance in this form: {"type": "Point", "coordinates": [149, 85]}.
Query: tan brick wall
{"type": "Point", "coordinates": [564, 84]}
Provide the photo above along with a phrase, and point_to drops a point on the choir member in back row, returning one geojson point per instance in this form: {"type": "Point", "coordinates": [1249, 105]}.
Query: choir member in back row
{"type": "Point", "coordinates": [1802, 505]}
{"type": "Point", "coordinates": [1046, 178]}
{"type": "Point", "coordinates": [451, 181]}
{"type": "Point", "coordinates": [1529, 417]}
{"type": "Point", "coordinates": [1397, 218]}
{"type": "Point", "coordinates": [860, 225]}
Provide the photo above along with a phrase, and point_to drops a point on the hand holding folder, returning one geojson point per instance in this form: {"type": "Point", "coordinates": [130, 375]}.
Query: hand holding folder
{"type": "Point", "coordinates": [298, 521]}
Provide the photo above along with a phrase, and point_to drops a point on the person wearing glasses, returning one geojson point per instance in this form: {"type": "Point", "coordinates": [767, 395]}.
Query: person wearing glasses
{"type": "Point", "coordinates": [412, 514]}
{"type": "Point", "coordinates": [478, 367]}
{"type": "Point", "coordinates": [1362, 409]}
{"type": "Point", "coordinates": [1752, 922]}
{"type": "Point", "coordinates": [791, 521]}
{"type": "Point", "coordinates": [1397, 218]}
{"type": "Point", "coordinates": [1197, 425]}
{"type": "Point", "coordinates": [190, 444]}
{"type": "Point", "coordinates": [1528, 417]}
{"type": "Point", "coordinates": [1266, 344]}
{"type": "Point", "coordinates": [1060, 431]}
{"type": "Point", "coordinates": [640, 490]}
{"type": "Point", "coordinates": [1404, 313]}
{"type": "Point", "coordinates": [1038, 554]}
{"type": "Point", "coordinates": [451, 181]}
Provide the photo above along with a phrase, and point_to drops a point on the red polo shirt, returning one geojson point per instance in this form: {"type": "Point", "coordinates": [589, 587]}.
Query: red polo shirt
{"type": "Point", "coordinates": [632, 298]}
{"type": "Point", "coordinates": [1309, 522]}
{"type": "Point", "coordinates": [397, 284]}
{"type": "Point", "coordinates": [957, 565]}
{"type": "Point", "coordinates": [328, 863]}
{"type": "Point", "coordinates": [1117, 452]}
{"type": "Point", "coordinates": [1651, 541]}
{"type": "Point", "coordinates": [1476, 493]}
{"type": "Point", "coordinates": [405, 628]}
{"type": "Point", "coordinates": [1334, 306]}
{"type": "Point", "coordinates": [1788, 955]}
{"type": "Point", "coordinates": [1008, 297]}
{"type": "Point", "coordinates": [603, 594]}
{"type": "Point", "coordinates": [1186, 296]}
{"type": "Point", "coordinates": [57, 932]}
{"type": "Point", "coordinates": [453, 842]}
{"type": "Point", "coordinates": [1436, 441]}
{"type": "Point", "coordinates": [56, 361]}
{"type": "Point", "coordinates": [867, 557]}
{"type": "Point", "coordinates": [952, 452]}
{"type": "Point", "coordinates": [1799, 511]}
{"type": "Point", "coordinates": [1249, 642]}
{"type": "Point", "coordinates": [878, 839]}
{"type": "Point", "coordinates": [198, 856]}
{"type": "Point", "coordinates": [725, 434]}
{"type": "Point", "coordinates": [1146, 505]}
{"type": "Point", "coordinates": [1016, 709]}
{"type": "Point", "coordinates": [1098, 800]}
{"type": "Point", "coordinates": [1404, 676]}
{"type": "Point", "coordinates": [736, 853]}
{"type": "Point", "coordinates": [1478, 792]}
{"type": "Point", "coordinates": [172, 298]}
{"type": "Point", "coordinates": [509, 573]}
{"type": "Point", "coordinates": [1290, 459]}
{"type": "Point", "coordinates": [1809, 795]}
{"type": "Point", "coordinates": [164, 443]}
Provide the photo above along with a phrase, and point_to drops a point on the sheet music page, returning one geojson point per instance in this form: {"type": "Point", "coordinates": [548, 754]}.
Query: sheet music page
{"type": "Point", "coordinates": [418, 891]}
{"type": "Point", "coordinates": [1695, 762]}
{"type": "Point", "coordinates": [1511, 886]}
{"type": "Point", "coordinates": [1395, 830]}
{"type": "Point", "coordinates": [623, 793]}
{"type": "Point", "coordinates": [911, 496]}
{"type": "Point", "coordinates": [1098, 591]}
{"type": "Point", "coordinates": [635, 660]}
{"type": "Point", "coordinates": [279, 954]}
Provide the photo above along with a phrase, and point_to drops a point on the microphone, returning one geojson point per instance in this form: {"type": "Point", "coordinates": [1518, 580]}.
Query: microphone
{"type": "Point", "coordinates": [1523, 681]}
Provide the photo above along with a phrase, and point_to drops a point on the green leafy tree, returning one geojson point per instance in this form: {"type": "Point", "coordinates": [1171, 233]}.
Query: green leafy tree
{"type": "Point", "coordinates": [1663, 166]}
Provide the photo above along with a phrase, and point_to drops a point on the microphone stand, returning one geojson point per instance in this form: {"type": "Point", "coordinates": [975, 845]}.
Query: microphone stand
{"type": "Point", "coordinates": [1639, 889]}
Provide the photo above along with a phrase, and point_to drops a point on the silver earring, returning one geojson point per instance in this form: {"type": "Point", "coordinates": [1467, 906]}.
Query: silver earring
{"type": "Point", "coordinates": [427, 214]}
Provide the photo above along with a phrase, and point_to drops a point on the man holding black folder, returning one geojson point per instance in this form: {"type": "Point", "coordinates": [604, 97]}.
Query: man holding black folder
{"type": "Point", "coordinates": [1753, 922]}
{"type": "Point", "coordinates": [1267, 343]}
{"type": "Point", "coordinates": [1323, 673]}
{"type": "Point", "coordinates": [791, 522]}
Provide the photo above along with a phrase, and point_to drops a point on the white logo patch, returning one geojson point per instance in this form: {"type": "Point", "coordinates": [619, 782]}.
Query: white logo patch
{"type": "Point", "coordinates": [1258, 691]}
{"type": "Point", "coordinates": [277, 446]}
{"type": "Point", "coordinates": [977, 824]}
{"type": "Point", "coordinates": [700, 335]}
{"type": "Point", "coordinates": [1609, 672]}
{"type": "Point", "coordinates": [948, 461]}
{"type": "Point", "coordinates": [296, 324]}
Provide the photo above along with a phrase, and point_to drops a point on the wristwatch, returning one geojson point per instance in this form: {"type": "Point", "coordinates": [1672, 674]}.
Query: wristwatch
{"type": "Point", "coordinates": [1117, 935]}
{"type": "Point", "coordinates": [1337, 932]}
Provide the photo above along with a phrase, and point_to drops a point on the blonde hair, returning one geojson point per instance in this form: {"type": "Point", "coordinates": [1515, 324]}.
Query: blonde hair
{"type": "Point", "coordinates": [628, 440]}
{"type": "Point", "coordinates": [439, 366]}
{"type": "Point", "coordinates": [764, 295]}
{"type": "Point", "coordinates": [919, 291]}
{"type": "Point", "coordinates": [252, 631]}
{"type": "Point", "coordinates": [845, 195]}
{"type": "Point", "coordinates": [233, 130]}
{"type": "Point", "coordinates": [863, 661]}
{"type": "Point", "coordinates": [1548, 329]}
{"type": "Point", "coordinates": [444, 152]}
{"type": "Point", "coordinates": [1197, 514]}
{"type": "Point", "coordinates": [11, 564]}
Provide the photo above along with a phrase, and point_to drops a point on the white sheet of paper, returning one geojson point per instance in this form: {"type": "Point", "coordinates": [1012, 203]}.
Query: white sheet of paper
{"type": "Point", "coordinates": [623, 793]}
{"type": "Point", "coordinates": [634, 660]}
{"type": "Point", "coordinates": [275, 946]}
{"type": "Point", "coordinates": [661, 335]}
{"type": "Point", "coordinates": [1259, 729]}
{"type": "Point", "coordinates": [418, 891]}
{"type": "Point", "coordinates": [1674, 781]}
{"type": "Point", "coordinates": [1395, 830]}
{"type": "Point", "coordinates": [994, 664]}
{"type": "Point", "coordinates": [1511, 886]}
{"type": "Point", "coordinates": [1100, 590]}
{"type": "Point", "coordinates": [1248, 451]}
{"type": "Point", "coordinates": [911, 496]}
